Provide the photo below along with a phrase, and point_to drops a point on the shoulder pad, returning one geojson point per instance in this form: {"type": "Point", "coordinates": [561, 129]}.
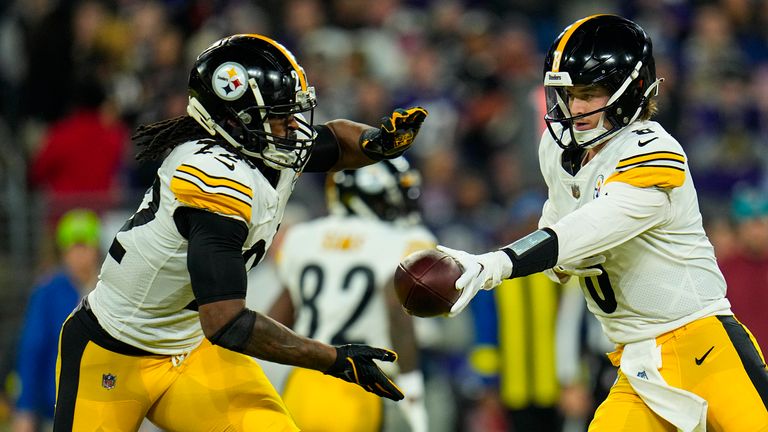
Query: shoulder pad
{"type": "Point", "coordinates": [650, 158]}
{"type": "Point", "coordinates": [212, 179]}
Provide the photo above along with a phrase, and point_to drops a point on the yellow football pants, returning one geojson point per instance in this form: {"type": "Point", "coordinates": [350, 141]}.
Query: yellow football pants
{"type": "Point", "coordinates": [716, 358]}
{"type": "Point", "coordinates": [211, 389]}
{"type": "Point", "coordinates": [321, 403]}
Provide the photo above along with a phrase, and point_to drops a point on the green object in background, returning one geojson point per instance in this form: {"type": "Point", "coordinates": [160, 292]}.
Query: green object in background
{"type": "Point", "coordinates": [749, 203]}
{"type": "Point", "coordinates": [78, 226]}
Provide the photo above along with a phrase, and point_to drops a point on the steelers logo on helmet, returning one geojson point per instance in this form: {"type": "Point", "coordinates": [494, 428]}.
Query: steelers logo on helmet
{"type": "Point", "coordinates": [230, 81]}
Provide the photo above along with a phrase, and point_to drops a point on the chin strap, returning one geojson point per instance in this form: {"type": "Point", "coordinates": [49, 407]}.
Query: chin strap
{"type": "Point", "coordinates": [197, 111]}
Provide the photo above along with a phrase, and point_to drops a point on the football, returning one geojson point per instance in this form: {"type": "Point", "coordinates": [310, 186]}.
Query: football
{"type": "Point", "coordinates": [425, 283]}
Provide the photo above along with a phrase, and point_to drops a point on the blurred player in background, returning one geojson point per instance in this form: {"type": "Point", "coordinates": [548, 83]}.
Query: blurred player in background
{"type": "Point", "coordinates": [77, 240]}
{"type": "Point", "coordinates": [623, 216]}
{"type": "Point", "coordinates": [338, 276]}
{"type": "Point", "coordinates": [166, 334]}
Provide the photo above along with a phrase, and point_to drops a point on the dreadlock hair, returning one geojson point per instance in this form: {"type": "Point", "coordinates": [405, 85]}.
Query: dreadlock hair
{"type": "Point", "coordinates": [159, 138]}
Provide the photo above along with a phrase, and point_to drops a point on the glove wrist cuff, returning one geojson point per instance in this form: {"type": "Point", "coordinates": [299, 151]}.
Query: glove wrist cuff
{"type": "Point", "coordinates": [370, 144]}
{"type": "Point", "coordinates": [338, 365]}
{"type": "Point", "coordinates": [505, 263]}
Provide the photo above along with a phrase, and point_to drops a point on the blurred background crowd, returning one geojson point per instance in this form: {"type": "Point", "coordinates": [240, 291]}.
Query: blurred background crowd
{"type": "Point", "coordinates": [78, 76]}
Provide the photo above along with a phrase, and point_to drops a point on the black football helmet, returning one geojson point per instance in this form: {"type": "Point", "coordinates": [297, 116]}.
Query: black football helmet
{"type": "Point", "coordinates": [600, 50]}
{"type": "Point", "coordinates": [241, 82]}
{"type": "Point", "coordinates": [388, 190]}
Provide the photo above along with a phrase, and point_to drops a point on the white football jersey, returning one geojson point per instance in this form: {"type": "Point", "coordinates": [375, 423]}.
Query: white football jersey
{"type": "Point", "coordinates": [635, 203]}
{"type": "Point", "coordinates": [144, 295]}
{"type": "Point", "coordinates": [336, 268]}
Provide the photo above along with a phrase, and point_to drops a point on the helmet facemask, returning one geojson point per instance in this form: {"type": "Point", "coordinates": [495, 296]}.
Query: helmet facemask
{"type": "Point", "coordinates": [623, 107]}
{"type": "Point", "coordinates": [290, 148]}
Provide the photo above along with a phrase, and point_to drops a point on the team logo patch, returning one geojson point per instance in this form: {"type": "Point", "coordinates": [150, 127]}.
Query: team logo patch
{"type": "Point", "coordinates": [108, 381]}
{"type": "Point", "coordinates": [599, 185]}
{"type": "Point", "coordinates": [230, 81]}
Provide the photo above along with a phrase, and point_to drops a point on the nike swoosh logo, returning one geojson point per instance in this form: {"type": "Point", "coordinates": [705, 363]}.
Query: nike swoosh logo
{"type": "Point", "coordinates": [699, 361]}
{"type": "Point", "coordinates": [231, 166]}
{"type": "Point", "coordinates": [643, 143]}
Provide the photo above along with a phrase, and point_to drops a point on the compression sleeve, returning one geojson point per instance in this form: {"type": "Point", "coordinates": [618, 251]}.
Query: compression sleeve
{"type": "Point", "coordinates": [215, 254]}
{"type": "Point", "coordinates": [533, 253]}
{"type": "Point", "coordinates": [626, 209]}
{"type": "Point", "coordinates": [325, 152]}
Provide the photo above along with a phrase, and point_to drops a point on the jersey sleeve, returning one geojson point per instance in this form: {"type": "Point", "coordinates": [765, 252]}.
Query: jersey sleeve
{"type": "Point", "coordinates": [213, 182]}
{"type": "Point", "coordinates": [627, 209]}
{"type": "Point", "coordinates": [660, 163]}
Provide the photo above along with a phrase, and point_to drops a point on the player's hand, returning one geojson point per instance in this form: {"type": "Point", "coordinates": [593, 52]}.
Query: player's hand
{"type": "Point", "coordinates": [582, 268]}
{"type": "Point", "coordinates": [394, 135]}
{"type": "Point", "coordinates": [413, 407]}
{"type": "Point", "coordinates": [354, 363]}
{"type": "Point", "coordinates": [484, 271]}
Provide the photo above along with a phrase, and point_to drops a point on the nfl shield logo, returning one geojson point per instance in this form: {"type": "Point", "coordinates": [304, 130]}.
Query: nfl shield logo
{"type": "Point", "coordinates": [575, 191]}
{"type": "Point", "coordinates": [108, 381]}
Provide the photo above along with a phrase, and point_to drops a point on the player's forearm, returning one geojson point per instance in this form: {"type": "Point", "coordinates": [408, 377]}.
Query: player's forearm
{"type": "Point", "coordinates": [274, 342]}
{"type": "Point", "coordinates": [347, 134]}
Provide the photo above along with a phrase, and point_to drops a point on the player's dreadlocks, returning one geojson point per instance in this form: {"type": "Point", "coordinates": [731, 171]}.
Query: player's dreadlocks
{"type": "Point", "coordinates": [158, 138]}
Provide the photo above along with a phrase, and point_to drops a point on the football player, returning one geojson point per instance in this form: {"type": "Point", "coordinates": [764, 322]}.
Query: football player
{"type": "Point", "coordinates": [338, 277]}
{"type": "Point", "coordinates": [623, 216]}
{"type": "Point", "coordinates": [166, 334]}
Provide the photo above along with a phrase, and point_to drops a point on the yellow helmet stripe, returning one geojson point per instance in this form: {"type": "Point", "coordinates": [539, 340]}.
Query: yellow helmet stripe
{"type": "Point", "coordinates": [288, 55]}
{"type": "Point", "coordinates": [558, 54]}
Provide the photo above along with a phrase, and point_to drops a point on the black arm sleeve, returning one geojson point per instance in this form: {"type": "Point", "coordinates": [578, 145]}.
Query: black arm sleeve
{"type": "Point", "coordinates": [215, 254]}
{"type": "Point", "coordinates": [325, 152]}
{"type": "Point", "coordinates": [533, 253]}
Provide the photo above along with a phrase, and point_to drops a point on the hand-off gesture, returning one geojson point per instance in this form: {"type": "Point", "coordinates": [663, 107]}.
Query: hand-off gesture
{"type": "Point", "coordinates": [394, 135]}
{"type": "Point", "coordinates": [484, 272]}
{"type": "Point", "coordinates": [354, 363]}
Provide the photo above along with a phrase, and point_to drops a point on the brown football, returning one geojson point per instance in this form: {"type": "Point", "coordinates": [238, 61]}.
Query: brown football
{"type": "Point", "coordinates": [425, 283]}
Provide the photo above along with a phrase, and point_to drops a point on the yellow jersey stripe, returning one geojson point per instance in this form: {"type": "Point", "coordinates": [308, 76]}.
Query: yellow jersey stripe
{"type": "Point", "coordinates": [215, 181]}
{"type": "Point", "coordinates": [191, 194]}
{"type": "Point", "coordinates": [648, 157]}
{"type": "Point", "coordinates": [288, 55]}
{"type": "Point", "coordinates": [649, 176]}
{"type": "Point", "coordinates": [558, 54]}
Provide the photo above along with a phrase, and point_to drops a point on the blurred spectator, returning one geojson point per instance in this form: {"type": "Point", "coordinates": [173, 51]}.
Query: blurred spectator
{"type": "Point", "coordinates": [77, 238]}
{"type": "Point", "coordinates": [515, 352]}
{"type": "Point", "coordinates": [81, 156]}
{"type": "Point", "coordinates": [746, 270]}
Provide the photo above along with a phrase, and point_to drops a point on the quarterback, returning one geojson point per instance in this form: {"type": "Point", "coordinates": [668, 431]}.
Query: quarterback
{"type": "Point", "coordinates": [338, 277]}
{"type": "Point", "coordinates": [165, 334]}
{"type": "Point", "coordinates": [622, 215]}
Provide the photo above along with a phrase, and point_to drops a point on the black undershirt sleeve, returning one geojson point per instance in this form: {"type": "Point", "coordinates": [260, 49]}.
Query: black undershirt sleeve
{"type": "Point", "coordinates": [215, 254]}
{"type": "Point", "coordinates": [325, 152]}
{"type": "Point", "coordinates": [533, 253]}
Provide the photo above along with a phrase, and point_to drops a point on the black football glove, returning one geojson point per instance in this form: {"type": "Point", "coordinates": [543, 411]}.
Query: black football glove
{"type": "Point", "coordinates": [354, 363]}
{"type": "Point", "coordinates": [394, 135]}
